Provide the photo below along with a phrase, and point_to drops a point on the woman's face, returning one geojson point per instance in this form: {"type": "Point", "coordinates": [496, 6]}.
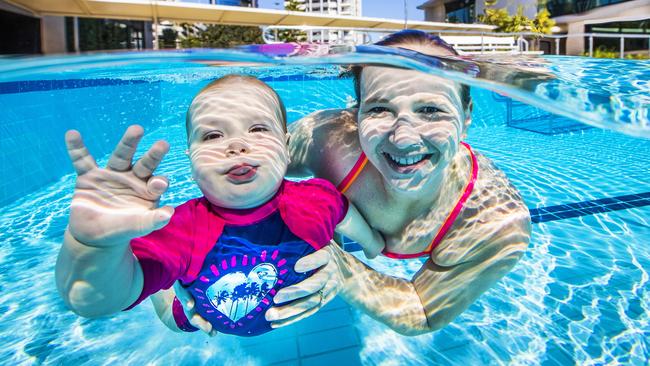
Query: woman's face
{"type": "Point", "coordinates": [410, 125]}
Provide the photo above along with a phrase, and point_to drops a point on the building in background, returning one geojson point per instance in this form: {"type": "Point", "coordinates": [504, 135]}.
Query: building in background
{"type": "Point", "coordinates": [26, 34]}
{"type": "Point", "coordinates": [332, 7]}
{"type": "Point", "coordinates": [573, 17]}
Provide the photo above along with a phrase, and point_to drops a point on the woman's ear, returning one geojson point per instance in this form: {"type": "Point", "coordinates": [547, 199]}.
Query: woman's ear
{"type": "Point", "coordinates": [468, 120]}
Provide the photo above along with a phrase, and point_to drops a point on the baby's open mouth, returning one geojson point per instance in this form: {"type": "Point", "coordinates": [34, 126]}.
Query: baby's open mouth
{"type": "Point", "coordinates": [407, 163]}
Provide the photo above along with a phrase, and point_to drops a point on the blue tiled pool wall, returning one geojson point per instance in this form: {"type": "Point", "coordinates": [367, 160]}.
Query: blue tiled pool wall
{"type": "Point", "coordinates": [36, 115]}
{"type": "Point", "coordinates": [34, 123]}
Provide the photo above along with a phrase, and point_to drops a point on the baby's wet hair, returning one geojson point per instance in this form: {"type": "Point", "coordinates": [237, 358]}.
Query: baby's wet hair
{"type": "Point", "coordinates": [234, 78]}
{"type": "Point", "coordinates": [403, 39]}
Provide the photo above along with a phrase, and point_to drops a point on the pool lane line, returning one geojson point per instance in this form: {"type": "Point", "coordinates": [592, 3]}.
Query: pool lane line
{"type": "Point", "coordinates": [584, 208]}
{"type": "Point", "coordinates": [566, 211]}
{"type": "Point", "coordinates": [26, 86]}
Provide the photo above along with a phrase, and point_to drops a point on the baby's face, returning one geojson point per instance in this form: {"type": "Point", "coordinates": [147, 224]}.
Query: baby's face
{"type": "Point", "coordinates": [237, 144]}
{"type": "Point", "coordinates": [410, 125]}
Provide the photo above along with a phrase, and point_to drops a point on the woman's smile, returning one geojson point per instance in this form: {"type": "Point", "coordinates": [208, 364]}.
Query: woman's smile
{"type": "Point", "coordinates": [409, 163]}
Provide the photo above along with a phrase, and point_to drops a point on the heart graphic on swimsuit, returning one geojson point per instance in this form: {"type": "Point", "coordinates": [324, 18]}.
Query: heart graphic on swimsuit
{"type": "Point", "coordinates": [236, 294]}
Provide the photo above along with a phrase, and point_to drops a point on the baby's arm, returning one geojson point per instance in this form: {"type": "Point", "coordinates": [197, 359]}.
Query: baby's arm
{"type": "Point", "coordinates": [97, 281]}
{"type": "Point", "coordinates": [96, 271]}
{"type": "Point", "coordinates": [355, 227]}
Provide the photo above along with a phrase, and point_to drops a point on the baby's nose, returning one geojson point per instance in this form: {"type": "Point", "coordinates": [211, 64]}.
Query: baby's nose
{"type": "Point", "coordinates": [236, 148]}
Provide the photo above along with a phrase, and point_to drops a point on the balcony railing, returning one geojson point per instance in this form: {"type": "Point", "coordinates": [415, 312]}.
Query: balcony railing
{"type": "Point", "coordinates": [474, 42]}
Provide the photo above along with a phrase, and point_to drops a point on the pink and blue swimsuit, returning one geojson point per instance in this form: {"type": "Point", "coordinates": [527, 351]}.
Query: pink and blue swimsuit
{"type": "Point", "coordinates": [234, 261]}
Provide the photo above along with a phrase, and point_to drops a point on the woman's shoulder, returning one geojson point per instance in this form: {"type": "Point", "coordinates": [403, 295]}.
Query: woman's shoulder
{"type": "Point", "coordinates": [324, 144]}
{"type": "Point", "coordinates": [323, 125]}
{"type": "Point", "coordinates": [494, 219]}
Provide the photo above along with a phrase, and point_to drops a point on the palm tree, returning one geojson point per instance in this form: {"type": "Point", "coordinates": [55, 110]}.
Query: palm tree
{"type": "Point", "coordinates": [221, 297]}
{"type": "Point", "coordinates": [253, 291]}
{"type": "Point", "coordinates": [238, 293]}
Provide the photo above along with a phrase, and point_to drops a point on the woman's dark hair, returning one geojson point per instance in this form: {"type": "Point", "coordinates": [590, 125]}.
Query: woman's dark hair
{"type": "Point", "coordinates": [411, 37]}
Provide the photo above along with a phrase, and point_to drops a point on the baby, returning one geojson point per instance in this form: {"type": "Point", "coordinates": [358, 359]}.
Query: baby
{"type": "Point", "coordinates": [233, 248]}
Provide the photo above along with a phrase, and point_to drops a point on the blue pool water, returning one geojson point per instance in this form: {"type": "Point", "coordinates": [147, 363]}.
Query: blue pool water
{"type": "Point", "coordinates": [580, 295]}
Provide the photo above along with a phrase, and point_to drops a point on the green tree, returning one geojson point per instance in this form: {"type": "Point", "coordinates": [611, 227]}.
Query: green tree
{"type": "Point", "coordinates": [220, 36]}
{"type": "Point", "coordinates": [518, 22]}
{"type": "Point", "coordinates": [168, 38]}
{"type": "Point", "coordinates": [543, 22]}
{"type": "Point", "coordinates": [292, 35]}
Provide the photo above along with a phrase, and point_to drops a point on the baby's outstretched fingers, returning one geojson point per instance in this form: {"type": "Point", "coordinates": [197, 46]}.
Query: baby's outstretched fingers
{"type": "Point", "coordinates": [122, 156]}
{"type": "Point", "coordinates": [157, 185]}
{"type": "Point", "coordinates": [148, 163]}
{"type": "Point", "coordinates": [81, 159]}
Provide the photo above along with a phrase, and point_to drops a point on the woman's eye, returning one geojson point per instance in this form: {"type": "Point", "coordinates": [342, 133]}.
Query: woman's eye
{"type": "Point", "coordinates": [258, 129]}
{"type": "Point", "coordinates": [429, 110]}
{"type": "Point", "coordinates": [211, 136]}
{"type": "Point", "coordinates": [378, 110]}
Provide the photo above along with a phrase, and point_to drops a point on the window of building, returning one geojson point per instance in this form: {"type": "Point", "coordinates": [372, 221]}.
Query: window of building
{"type": "Point", "coordinates": [460, 11]}
{"type": "Point", "coordinates": [107, 34]}
{"type": "Point", "coordinates": [564, 7]}
{"type": "Point", "coordinates": [20, 34]}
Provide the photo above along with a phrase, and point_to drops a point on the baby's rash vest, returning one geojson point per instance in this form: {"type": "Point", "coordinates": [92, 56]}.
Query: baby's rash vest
{"type": "Point", "coordinates": [234, 261]}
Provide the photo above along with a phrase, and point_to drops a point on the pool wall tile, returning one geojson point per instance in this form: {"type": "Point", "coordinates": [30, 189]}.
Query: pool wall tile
{"type": "Point", "coordinates": [325, 320]}
{"type": "Point", "coordinates": [274, 351]}
{"type": "Point", "coordinates": [343, 357]}
{"type": "Point", "coordinates": [34, 123]}
{"type": "Point", "coordinates": [328, 341]}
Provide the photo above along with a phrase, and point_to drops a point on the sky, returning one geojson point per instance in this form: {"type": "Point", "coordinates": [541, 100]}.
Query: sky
{"type": "Point", "coordinates": [391, 9]}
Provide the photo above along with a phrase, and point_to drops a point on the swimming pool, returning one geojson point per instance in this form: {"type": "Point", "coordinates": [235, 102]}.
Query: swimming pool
{"type": "Point", "coordinates": [580, 295]}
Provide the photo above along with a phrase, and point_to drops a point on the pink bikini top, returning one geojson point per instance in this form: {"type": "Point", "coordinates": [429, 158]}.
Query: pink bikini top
{"type": "Point", "coordinates": [449, 221]}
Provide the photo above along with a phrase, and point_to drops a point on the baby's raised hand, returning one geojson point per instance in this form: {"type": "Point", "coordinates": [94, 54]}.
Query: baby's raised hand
{"type": "Point", "coordinates": [115, 204]}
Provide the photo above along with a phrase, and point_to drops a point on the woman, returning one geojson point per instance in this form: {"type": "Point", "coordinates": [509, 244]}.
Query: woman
{"type": "Point", "coordinates": [399, 158]}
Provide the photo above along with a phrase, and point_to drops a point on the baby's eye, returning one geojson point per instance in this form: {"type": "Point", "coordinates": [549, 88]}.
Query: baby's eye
{"type": "Point", "coordinates": [429, 110]}
{"type": "Point", "coordinates": [378, 110]}
{"type": "Point", "coordinates": [212, 136]}
{"type": "Point", "coordinates": [258, 129]}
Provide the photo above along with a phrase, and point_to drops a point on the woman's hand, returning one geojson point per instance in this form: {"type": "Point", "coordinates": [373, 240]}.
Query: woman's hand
{"type": "Point", "coordinates": [310, 294]}
{"type": "Point", "coordinates": [115, 204]}
{"type": "Point", "coordinates": [187, 302]}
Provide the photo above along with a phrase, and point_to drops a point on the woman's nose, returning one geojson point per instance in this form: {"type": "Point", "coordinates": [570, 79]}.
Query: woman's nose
{"type": "Point", "coordinates": [237, 148]}
{"type": "Point", "coordinates": [404, 135]}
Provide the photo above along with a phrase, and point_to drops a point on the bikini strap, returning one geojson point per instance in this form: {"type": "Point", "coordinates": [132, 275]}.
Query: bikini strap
{"type": "Point", "coordinates": [449, 221]}
{"type": "Point", "coordinates": [346, 183]}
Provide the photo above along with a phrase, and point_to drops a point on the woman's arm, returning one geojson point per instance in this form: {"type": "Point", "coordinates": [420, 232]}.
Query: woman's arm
{"type": "Point", "coordinates": [437, 294]}
{"type": "Point", "coordinates": [390, 300]}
